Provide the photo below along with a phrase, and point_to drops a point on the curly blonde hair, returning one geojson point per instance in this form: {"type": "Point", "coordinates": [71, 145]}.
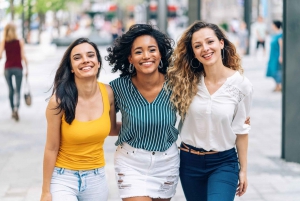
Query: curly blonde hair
{"type": "Point", "coordinates": [184, 75]}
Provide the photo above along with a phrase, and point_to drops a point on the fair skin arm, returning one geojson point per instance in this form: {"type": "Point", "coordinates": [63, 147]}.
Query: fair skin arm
{"type": "Point", "coordinates": [281, 50]}
{"type": "Point", "coordinates": [115, 126]}
{"type": "Point", "coordinates": [51, 147]}
{"type": "Point", "coordinates": [23, 56]}
{"type": "Point", "coordinates": [1, 48]}
{"type": "Point", "coordinates": [242, 149]}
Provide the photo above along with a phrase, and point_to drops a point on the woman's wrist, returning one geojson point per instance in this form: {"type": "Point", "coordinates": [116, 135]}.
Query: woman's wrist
{"type": "Point", "coordinates": [46, 189]}
{"type": "Point", "coordinates": [243, 169]}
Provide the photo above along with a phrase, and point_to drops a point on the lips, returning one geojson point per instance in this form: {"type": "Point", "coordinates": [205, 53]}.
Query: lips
{"type": "Point", "coordinates": [146, 64]}
{"type": "Point", "coordinates": [86, 68]}
{"type": "Point", "coordinates": [208, 56]}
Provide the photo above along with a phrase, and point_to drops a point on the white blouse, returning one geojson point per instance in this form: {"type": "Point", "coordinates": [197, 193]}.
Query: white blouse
{"type": "Point", "coordinates": [213, 121]}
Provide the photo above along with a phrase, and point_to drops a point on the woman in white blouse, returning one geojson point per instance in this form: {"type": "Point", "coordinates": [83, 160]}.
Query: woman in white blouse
{"type": "Point", "coordinates": [213, 99]}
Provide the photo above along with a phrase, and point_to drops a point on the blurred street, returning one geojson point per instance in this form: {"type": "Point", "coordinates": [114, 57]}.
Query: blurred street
{"type": "Point", "coordinates": [22, 143]}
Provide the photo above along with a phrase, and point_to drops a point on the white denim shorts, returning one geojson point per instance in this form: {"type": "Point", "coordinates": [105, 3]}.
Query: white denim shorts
{"type": "Point", "coordinates": [146, 173]}
{"type": "Point", "coordinates": [82, 185]}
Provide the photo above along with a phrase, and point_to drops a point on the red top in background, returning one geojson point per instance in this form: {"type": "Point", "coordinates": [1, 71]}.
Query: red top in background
{"type": "Point", "coordinates": [13, 54]}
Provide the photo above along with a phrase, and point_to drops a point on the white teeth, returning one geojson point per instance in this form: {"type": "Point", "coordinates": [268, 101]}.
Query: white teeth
{"type": "Point", "coordinates": [147, 63]}
{"type": "Point", "coordinates": [207, 55]}
{"type": "Point", "coordinates": [86, 68]}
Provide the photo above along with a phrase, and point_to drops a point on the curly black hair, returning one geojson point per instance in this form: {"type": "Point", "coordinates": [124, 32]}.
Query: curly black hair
{"type": "Point", "coordinates": [120, 51]}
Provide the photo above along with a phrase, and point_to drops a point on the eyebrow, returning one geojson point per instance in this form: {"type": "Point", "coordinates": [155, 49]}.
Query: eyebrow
{"type": "Point", "coordinates": [141, 47]}
{"type": "Point", "coordinates": [78, 54]}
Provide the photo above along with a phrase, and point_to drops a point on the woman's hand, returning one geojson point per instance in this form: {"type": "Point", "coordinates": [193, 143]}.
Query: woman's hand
{"type": "Point", "coordinates": [46, 197]}
{"type": "Point", "coordinates": [243, 183]}
{"type": "Point", "coordinates": [247, 121]}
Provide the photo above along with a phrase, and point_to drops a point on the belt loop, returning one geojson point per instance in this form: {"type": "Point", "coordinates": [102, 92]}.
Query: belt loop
{"type": "Point", "coordinates": [187, 147]}
{"type": "Point", "coordinates": [61, 171]}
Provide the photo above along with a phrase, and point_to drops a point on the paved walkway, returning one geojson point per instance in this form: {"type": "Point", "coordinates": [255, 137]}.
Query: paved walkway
{"type": "Point", "coordinates": [22, 143]}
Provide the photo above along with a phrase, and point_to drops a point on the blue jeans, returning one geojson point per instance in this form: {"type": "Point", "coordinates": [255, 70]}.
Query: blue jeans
{"type": "Point", "coordinates": [211, 177]}
{"type": "Point", "coordinates": [9, 73]}
{"type": "Point", "coordinates": [82, 185]}
{"type": "Point", "coordinates": [278, 77]}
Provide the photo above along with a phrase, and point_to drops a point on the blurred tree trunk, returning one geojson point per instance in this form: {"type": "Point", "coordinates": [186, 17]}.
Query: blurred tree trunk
{"type": "Point", "coordinates": [57, 23]}
{"type": "Point", "coordinates": [12, 9]}
{"type": "Point", "coordinates": [29, 21]}
{"type": "Point", "coordinates": [42, 18]}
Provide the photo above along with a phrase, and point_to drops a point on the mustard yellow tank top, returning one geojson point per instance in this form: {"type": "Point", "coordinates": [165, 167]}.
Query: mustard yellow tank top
{"type": "Point", "coordinates": [81, 146]}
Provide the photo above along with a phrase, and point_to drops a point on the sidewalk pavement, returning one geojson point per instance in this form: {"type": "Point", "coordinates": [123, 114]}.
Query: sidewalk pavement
{"type": "Point", "coordinates": [22, 143]}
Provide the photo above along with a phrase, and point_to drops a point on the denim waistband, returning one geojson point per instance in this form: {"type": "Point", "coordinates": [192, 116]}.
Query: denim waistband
{"type": "Point", "coordinates": [60, 170]}
{"type": "Point", "coordinates": [131, 149]}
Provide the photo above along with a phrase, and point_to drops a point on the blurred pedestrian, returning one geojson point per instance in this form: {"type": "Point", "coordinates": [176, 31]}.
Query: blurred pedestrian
{"type": "Point", "coordinates": [260, 31]}
{"type": "Point", "coordinates": [274, 69]}
{"type": "Point", "coordinates": [234, 26]}
{"type": "Point", "coordinates": [80, 115]}
{"type": "Point", "coordinates": [114, 32]}
{"type": "Point", "coordinates": [15, 55]}
{"type": "Point", "coordinates": [147, 158]}
{"type": "Point", "coordinates": [243, 35]}
{"type": "Point", "coordinates": [213, 99]}
{"type": "Point", "coordinates": [117, 29]}
{"type": "Point", "coordinates": [120, 27]}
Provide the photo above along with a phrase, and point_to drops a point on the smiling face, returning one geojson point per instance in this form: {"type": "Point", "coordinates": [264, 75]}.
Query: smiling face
{"type": "Point", "coordinates": [145, 55]}
{"type": "Point", "coordinates": [84, 61]}
{"type": "Point", "coordinates": [207, 47]}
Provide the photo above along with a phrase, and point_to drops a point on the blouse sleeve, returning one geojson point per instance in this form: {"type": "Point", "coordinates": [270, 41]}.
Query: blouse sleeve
{"type": "Point", "coordinates": [112, 85]}
{"type": "Point", "coordinates": [241, 113]}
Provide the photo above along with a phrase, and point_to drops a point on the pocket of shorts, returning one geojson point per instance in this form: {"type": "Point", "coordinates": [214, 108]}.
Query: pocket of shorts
{"type": "Point", "coordinates": [122, 156]}
{"type": "Point", "coordinates": [125, 152]}
{"type": "Point", "coordinates": [174, 158]}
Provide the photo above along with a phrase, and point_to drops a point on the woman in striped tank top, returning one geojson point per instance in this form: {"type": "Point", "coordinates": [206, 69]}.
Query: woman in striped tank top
{"type": "Point", "coordinates": [147, 158]}
{"type": "Point", "coordinates": [80, 115]}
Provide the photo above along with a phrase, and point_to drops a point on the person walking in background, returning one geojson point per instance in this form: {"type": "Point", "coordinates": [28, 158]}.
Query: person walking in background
{"type": "Point", "coordinates": [213, 99]}
{"type": "Point", "coordinates": [243, 35]}
{"type": "Point", "coordinates": [14, 49]}
{"type": "Point", "coordinates": [260, 31]}
{"type": "Point", "coordinates": [80, 115]}
{"type": "Point", "coordinates": [274, 69]}
{"type": "Point", "coordinates": [147, 158]}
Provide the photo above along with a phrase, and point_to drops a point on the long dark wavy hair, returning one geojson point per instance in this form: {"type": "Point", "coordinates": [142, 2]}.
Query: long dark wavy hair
{"type": "Point", "coordinates": [64, 86]}
{"type": "Point", "coordinates": [120, 51]}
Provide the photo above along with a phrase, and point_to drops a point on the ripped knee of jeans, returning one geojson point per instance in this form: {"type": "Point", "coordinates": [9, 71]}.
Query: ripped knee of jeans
{"type": "Point", "coordinates": [169, 184]}
{"type": "Point", "coordinates": [121, 183]}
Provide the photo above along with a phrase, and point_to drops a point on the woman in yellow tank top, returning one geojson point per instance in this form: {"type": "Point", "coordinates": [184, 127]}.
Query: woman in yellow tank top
{"type": "Point", "coordinates": [80, 115]}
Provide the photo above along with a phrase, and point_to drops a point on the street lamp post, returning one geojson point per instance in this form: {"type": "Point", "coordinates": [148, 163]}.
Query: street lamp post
{"type": "Point", "coordinates": [162, 16]}
{"type": "Point", "coordinates": [23, 20]}
{"type": "Point", "coordinates": [290, 85]}
{"type": "Point", "coordinates": [247, 19]}
{"type": "Point", "coordinates": [194, 10]}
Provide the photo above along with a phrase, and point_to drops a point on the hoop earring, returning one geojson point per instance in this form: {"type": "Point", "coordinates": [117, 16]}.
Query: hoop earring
{"type": "Point", "coordinates": [192, 63]}
{"type": "Point", "coordinates": [222, 51]}
{"type": "Point", "coordinates": [130, 68]}
{"type": "Point", "coordinates": [161, 65]}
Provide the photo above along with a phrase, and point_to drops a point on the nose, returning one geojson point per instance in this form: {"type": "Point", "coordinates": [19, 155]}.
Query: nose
{"type": "Point", "coordinates": [205, 47]}
{"type": "Point", "coordinates": [146, 55]}
{"type": "Point", "coordinates": [85, 59]}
